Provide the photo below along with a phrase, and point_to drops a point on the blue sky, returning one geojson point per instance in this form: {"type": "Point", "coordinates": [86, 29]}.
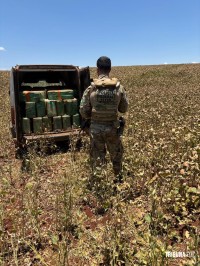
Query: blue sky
{"type": "Point", "coordinates": [130, 32]}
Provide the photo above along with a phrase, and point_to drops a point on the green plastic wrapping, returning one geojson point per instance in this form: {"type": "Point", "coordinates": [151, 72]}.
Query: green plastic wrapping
{"type": "Point", "coordinates": [47, 124]}
{"type": "Point", "coordinates": [51, 108]}
{"type": "Point", "coordinates": [66, 121]}
{"type": "Point", "coordinates": [60, 94]}
{"type": "Point", "coordinates": [57, 123]}
{"type": "Point", "coordinates": [69, 94]}
{"type": "Point", "coordinates": [37, 125]}
{"type": "Point", "coordinates": [68, 107]}
{"type": "Point", "coordinates": [30, 109]}
{"type": "Point", "coordinates": [32, 96]}
{"type": "Point", "coordinates": [76, 120]}
{"type": "Point", "coordinates": [71, 106]}
{"type": "Point", "coordinates": [26, 125]}
{"type": "Point", "coordinates": [75, 106]}
{"type": "Point", "coordinates": [41, 109]}
{"type": "Point", "coordinates": [60, 108]}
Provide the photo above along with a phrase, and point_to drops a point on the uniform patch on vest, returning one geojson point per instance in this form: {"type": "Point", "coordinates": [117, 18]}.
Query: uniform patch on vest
{"type": "Point", "coordinates": [106, 96]}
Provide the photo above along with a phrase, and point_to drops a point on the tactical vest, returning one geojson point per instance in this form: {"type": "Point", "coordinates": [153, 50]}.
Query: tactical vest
{"type": "Point", "coordinates": [105, 97]}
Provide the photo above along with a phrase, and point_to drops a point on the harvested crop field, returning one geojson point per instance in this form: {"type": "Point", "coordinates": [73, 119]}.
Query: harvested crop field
{"type": "Point", "coordinates": [53, 213]}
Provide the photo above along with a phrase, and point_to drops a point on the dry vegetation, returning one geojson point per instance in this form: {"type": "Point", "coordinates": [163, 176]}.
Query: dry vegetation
{"type": "Point", "coordinates": [53, 213]}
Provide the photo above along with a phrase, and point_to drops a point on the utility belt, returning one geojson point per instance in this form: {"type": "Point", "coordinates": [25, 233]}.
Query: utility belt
{"type": "Point", "coordinates": [102, 117]}
{"type": "Point", "coordinates": [94, 121]}
{"type": "Point", "coordinates": [119, 124]}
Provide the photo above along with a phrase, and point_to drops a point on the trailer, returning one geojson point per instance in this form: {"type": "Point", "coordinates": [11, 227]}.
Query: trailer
{"type": "Point", "coordinates": [45, 102]}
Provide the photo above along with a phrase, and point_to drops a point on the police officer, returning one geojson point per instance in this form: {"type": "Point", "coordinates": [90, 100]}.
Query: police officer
{"type": "Point", "coordinates": [101, 103]}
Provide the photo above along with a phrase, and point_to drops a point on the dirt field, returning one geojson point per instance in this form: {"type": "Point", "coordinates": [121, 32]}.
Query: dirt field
{"type": "Point", "coordinates": [53, 213]}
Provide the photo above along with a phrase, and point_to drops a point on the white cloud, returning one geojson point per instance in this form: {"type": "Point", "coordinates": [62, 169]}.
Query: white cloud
{"type": "Point", "coordinates": [194, 62]}
{"type": "Point", "coordinates": [2, 49]}
{"type": "Point", "coordinates": [165, 63]}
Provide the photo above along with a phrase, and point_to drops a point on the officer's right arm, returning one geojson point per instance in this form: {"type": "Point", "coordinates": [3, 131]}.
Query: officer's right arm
{"type": "Point", "coordinates": [85, 105]}
{"type": "Point", "coordinates": [123, 104]}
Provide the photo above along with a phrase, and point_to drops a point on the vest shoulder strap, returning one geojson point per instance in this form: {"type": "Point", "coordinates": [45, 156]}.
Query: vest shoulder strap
{"type": "Point", "coordinates": [106, 82]}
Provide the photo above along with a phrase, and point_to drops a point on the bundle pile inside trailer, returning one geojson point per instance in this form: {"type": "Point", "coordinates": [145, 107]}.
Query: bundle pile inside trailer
{"type": "Point", "coordinates": [49, 111]}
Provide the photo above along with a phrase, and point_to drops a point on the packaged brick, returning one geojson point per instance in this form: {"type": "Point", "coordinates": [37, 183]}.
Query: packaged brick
{"type": "Point", "coordinates": [51, 108]}
{"type": "Point", "coordinates": [41, 109]}
{"type": "Point", "coordinates": [30, 109]}
{"type": "Point", "coordinates": [32, 96]}
{"type": "Point", "coordinates": [37, 125]}
{"type": "Point", "coordinates": [57, 123]}
{"type": "Point", "coordinates": [71, 106]}
{"type": "Point", "coordinates": [66, 121]}
{"type": "Point", "coordinates": [60, 108]}
{"type": "Point", "coordinates": [26, 125]}
{"type": "Point", "coordinates": [60, 94]}
{"type": "Point", "coordinates": [47, 124]}
{"type": "Point", "coordinates": [75, 106]}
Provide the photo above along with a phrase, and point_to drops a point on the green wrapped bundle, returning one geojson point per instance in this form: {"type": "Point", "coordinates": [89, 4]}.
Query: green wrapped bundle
{"type": "Point", "coordinates": [37, 125]}
{"type": "Point", "coordinates": [60, 94]}
{"type": "Point", "coordinates": [71, 106]}
{"type": "Point", "coordinates": [75, 106]}
{"type": "Point", "coordinates": [66, 121]}
{"type": "Point", "coordinates": [41, 108]}
{"type": "Point", "coordinates": [30, 109]}
{"type": "Point", "coordinates": [26, 125]}
{"type": "Point", "coordinates": [68, 107]}
{"type": "Point", "coordinates": [51, 108]}
{"type": "Point", "coordinates": [67, 94]}
{"type": "Point", "coordinates": [76, 120]}
{"type": "Point", "coordinates": [57, 123]}
{"type": "Point", "coordinates": [32, 96]}
{"type": "Point", "coordinates": [60, 108]}
{"type": "Point", "coordinates": [47, 124]}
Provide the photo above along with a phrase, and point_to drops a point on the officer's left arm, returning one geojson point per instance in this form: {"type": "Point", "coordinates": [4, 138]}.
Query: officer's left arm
{"type": "Point", "coordinates": [85, 105]}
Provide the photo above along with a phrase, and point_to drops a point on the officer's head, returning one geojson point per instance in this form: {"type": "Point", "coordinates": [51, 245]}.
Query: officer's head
{"type": "Point", "coordinates": [104, 64]}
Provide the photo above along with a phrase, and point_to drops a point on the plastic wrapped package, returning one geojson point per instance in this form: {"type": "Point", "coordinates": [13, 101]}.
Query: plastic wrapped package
{"type": "Point", "coordinates": [47, 124]}
{"type": "Point", "coordinates": [60, 94]}
{"type": "Point", "coordinates": [30, 109]}
{"type": "Point", "coordinates": [57, 123]}
{"type": "Point", "coordinates": [37, 125]}
{"type": "Point", "coordinates": [41, 109]}
{"type": "Point", "coordinates": [32, 96]}
{"type": "Point", "coordinates": [51, 108]}
{"type": "Point", "coordinates": [66, 121]}
{"type": "Point", "coordinates": [26, 126]}
{"type": "Point", "coordinates": [60, 108]}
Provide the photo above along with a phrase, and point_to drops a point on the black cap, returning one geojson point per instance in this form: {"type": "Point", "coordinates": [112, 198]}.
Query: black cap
{"type": "Point", "coordinates": [104, 63]}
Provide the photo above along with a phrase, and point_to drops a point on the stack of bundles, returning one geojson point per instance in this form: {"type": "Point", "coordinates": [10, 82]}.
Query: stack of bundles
{"type": "Point", "coordinates": [66, 107]}
{"type": "Point", "coordinates": [34, 107]}
{"type": "Point", "coordinates": [51, 111]}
